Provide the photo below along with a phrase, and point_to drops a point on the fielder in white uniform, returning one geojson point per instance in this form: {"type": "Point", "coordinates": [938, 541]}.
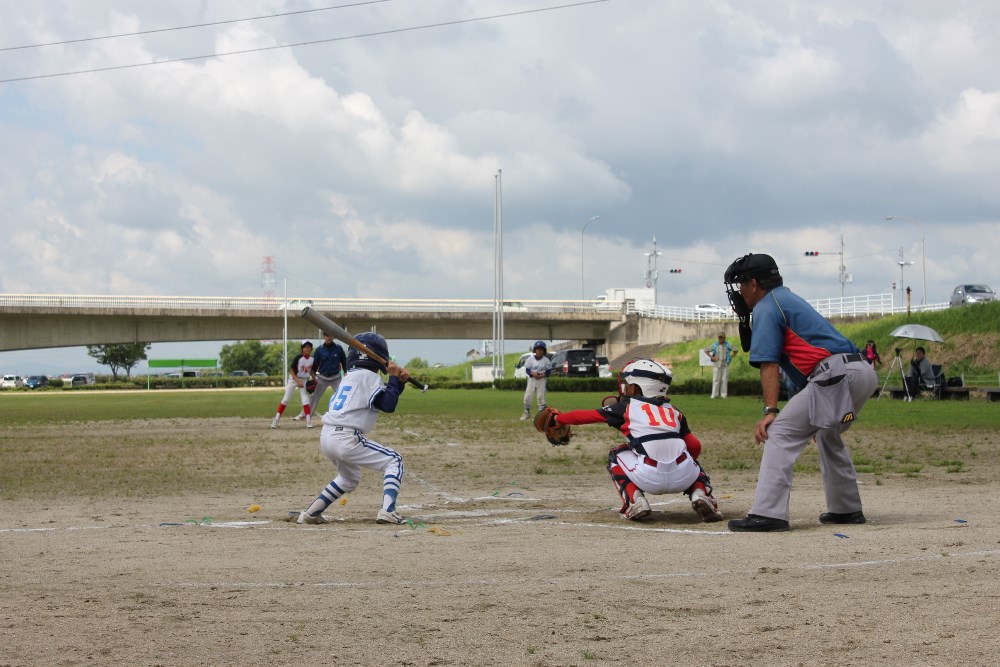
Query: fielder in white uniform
{"type": "Point", "coordinates": [538, 367]}
{"type": "Point", "coordinates": [299, 373]}
{"type": "Point", "coordinates": [353, 410]}
{"type": "Point", "coordinates": [661, 455]}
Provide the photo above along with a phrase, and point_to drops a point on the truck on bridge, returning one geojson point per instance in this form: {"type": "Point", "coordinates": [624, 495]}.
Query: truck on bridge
{"type": "Point", "coordinates": [613, 297]}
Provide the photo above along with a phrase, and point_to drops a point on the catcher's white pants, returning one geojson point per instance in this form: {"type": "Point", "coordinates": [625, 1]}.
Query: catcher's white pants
{"type": "Point", "coordinates": [536, 386]}
{"type": "Point", "coordinates": [322, 382]}
{"type": "Point", "coordinates": [350, 451]}
{"type": "Point", "coordinates": [657, 477]}
{"type": "Point", "coordinates": [720, 380]}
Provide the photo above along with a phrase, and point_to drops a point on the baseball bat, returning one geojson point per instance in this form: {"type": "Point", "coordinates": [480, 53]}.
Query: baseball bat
{"type": "Point", "coordinates": [324, 323]}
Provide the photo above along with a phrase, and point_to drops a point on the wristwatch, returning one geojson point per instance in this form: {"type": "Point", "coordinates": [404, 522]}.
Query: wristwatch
{"type": "Point", "coordinates": [768, 410]}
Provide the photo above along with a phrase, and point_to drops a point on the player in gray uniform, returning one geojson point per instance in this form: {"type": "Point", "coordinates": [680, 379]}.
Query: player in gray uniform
{"type": "Point", "coordinates": [353, 410]}
{"type": "Point", "coordinates": [787, 334]}
{"type": "Point", "coordinates": [538, 367]}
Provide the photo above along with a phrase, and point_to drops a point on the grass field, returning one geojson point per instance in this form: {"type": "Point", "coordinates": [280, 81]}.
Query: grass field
{"type": "Point", "coordinates": [144, 457]}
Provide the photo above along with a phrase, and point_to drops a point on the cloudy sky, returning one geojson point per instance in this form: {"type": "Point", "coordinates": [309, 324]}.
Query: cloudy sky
{"type": "Point", "coordinates": [365, 165]}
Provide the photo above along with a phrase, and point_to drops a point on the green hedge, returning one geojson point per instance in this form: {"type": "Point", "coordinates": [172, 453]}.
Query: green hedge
{"type": "Point", "coordinates": [606, 385]}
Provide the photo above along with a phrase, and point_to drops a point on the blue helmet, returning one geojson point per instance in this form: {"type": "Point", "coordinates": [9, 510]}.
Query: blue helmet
{"type": "Point", "coordinates": [539, 344]}
{"type": "Point", "coordinates": [375, 343]}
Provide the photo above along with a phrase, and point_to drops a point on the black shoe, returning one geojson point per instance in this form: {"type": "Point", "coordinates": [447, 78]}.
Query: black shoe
{"type": "Point", "coordinates": [849, 517]}
{"type": "Point", "coordinates": [758, 524]}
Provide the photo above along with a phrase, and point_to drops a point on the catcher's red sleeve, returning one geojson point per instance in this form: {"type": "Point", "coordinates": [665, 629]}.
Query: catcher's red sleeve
{"type": "Point", "coordinates": [693, 445]}
{"type": "Point", "coordinates": [580, 417]}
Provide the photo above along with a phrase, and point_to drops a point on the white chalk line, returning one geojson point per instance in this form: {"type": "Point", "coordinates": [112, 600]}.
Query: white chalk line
{"type": "Point", "coordinates": [644, 576]}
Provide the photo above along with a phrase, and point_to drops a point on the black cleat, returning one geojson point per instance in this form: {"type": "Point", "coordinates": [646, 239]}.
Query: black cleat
{"type": "Point", "coordinates": [848, 517]}
{"type": "Point", "coordinates": [758, 524]}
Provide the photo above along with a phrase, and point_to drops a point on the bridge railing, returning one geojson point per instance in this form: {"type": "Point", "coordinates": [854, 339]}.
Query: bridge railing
{"type": "Point", "coordinates": [872, 304]}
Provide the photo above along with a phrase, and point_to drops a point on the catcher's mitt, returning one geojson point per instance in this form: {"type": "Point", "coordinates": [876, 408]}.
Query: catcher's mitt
{"type": "Point", "coordinates": [311, 386]}
{"type": "Point", "coordinates": [557, 434]}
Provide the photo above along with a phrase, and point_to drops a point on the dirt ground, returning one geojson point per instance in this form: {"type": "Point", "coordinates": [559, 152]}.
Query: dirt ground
{"type": "Point", "coordinates": [498, 570]}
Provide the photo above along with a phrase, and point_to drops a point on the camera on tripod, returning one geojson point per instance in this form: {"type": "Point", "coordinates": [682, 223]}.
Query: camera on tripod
{"type": "Point", "coordinates": [898, 351]}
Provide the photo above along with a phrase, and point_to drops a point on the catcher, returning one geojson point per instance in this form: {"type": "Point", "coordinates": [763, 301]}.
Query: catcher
{"type": "Point", "coordinates": [661, 455]}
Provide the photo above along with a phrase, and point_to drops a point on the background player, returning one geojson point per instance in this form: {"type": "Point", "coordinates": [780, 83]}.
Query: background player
{"type": "Point", "coordinates": [538, 367]}
{"type": "Point", "coordinates": [299, 373]}
{"type": "Point", "coordinates": [330, 363]}
{"type": "Point", "coordinates": [661, 455]}
{"type": "Point", "coordinates": [352, 414]}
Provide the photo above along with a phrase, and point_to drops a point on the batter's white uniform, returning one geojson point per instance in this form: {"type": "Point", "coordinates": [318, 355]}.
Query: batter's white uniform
{"type": "Point", "coordinates": [353, 410]}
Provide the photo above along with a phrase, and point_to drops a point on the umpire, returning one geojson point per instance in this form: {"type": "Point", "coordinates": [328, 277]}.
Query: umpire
{"type": "Point", "coordinates": [781, 330]}
{"type": "Point", "coordinates": [330, 362]}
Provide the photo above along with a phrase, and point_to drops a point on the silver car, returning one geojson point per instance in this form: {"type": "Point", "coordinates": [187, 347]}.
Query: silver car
{"type": "Point", "coordinates": [964, 295]}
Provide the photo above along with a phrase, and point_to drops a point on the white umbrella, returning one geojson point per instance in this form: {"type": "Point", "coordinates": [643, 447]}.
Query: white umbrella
{"type": "Point", "coordinates": [917, 332]}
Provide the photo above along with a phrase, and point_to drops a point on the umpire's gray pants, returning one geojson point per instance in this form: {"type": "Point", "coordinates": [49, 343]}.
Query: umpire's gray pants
{"type": "Point", "coordinates": [322, 382]}
{"type": "Point", "coordinates": [789, 433]}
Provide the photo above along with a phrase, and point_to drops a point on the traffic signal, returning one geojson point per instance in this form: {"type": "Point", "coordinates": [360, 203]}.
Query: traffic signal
{"type": "Point", "coordinates": [675, 270]}
{"type": "Point", "coordinates": [812, 253]}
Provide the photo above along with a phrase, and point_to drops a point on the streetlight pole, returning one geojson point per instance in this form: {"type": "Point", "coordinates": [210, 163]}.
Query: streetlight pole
{"type": "Point", "coordinates": [923, 252]}
{"type": "Point", "coordinates": [902, 286]}
{"type": "Point", "coordinates": [582, 291]}
{"type": "Point", "coordinates": [652, 275]}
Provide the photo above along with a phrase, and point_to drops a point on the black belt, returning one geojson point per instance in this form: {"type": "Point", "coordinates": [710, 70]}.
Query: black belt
{"type": "Point", "coordinates": [653, 462]}
{"type": "Point", "coordinates": [846, 358]}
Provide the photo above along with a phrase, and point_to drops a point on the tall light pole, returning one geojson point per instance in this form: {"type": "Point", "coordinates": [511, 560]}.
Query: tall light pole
{"type": "Point", "coordinates": [582, 291]}
{"type": "Point", "coordinates": [902, 286]}
{"type": "Point", "coordinates": [652, 275]}
{"type": "Point", "coordinates": [923, 252]}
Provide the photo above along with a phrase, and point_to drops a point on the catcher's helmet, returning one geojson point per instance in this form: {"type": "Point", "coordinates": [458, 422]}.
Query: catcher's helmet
{"type": "Point", "coordinates": [652, 378]}
{"type": "Point", "coordinates": [539, 344]}
{"type": "Point", "coordinates": [762, 267]}
{"type": "Point", "coordinates": [375, 343]}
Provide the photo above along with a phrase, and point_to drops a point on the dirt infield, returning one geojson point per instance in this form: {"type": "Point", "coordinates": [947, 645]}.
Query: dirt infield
{"type": "Point", "coordinates": [507, 561]}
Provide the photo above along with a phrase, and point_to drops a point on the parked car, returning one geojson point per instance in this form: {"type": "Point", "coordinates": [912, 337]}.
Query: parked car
{"type": "Point", "coordinates": [964, 295]}
{"type": "Point", "coordinates": [78, 381]}
{"type": "Point", "coordinates": [12, 381]}
{"type": "Point", "coordinates": [710, 311]}
{"type": "Point", "coordinates": [603, 367]}
{"type": "Point", "coordinates": [519, 371]}
{"type": "Point", "coordinates": [36, 381]}
{"type": "Point", "coordinates": [576, 363]}
{"type": "Point", "coordinates": [259, 374]}
{"type": "Point", "coordinates": [240, 374]}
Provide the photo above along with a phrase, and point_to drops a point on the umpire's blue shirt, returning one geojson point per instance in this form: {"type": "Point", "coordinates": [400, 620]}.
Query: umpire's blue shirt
{"type": "Point", "coordinates": [330, 360]}
{"type": "Point", "coordinates": [789, 332]}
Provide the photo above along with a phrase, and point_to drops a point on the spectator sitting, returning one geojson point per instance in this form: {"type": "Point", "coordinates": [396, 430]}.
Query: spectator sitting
{"type": "Point", "coordinates": [920, 375]}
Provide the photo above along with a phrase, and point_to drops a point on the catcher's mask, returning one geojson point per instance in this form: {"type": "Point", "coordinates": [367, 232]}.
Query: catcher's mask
{"type": "Point", "coordinates": [759, 266]}
{"type": "Point", "coordinates": [651, 378]}
{"type": "Point", "coordinates": [374, 342]}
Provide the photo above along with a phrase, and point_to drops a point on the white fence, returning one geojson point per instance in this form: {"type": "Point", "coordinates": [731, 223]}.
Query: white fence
{"type": "Point", "coordinates": [875, 304]}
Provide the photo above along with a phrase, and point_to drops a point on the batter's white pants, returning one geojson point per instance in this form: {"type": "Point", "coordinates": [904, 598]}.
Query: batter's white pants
{"type": "Point", "coordinates": [657, 477]}
{"type": "Point", "coordinates": [720, 380]}
{"type": "Point", "coordinates": [351, 451]}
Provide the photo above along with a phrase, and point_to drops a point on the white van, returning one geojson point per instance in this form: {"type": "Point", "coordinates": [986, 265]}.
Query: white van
{"type": "Point", "coordinates": [12, 381]}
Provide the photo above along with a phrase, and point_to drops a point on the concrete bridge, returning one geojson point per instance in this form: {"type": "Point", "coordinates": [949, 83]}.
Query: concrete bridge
{"type": "Point", "coordinates": [38, 321]}
{"type": "Point", "coordinates": [47, 321]}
